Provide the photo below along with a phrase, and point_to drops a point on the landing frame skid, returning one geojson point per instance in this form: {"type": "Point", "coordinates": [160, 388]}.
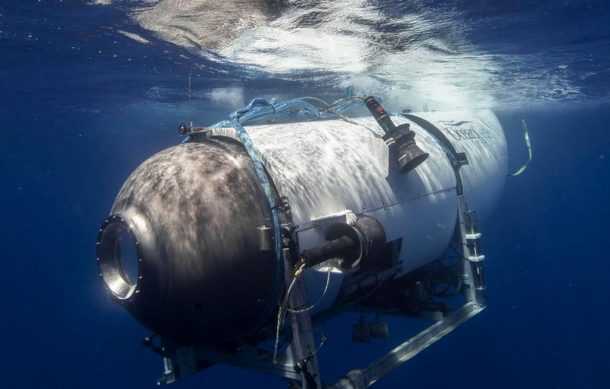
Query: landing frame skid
{"type": "Point", "coordinates": [363, 378]}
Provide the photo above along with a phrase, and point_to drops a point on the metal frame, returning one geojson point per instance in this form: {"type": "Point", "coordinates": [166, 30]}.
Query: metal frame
{"type": "Point", "coordinates": [303, 349]}
{"type": "Point", "coordinates": [363, 378]}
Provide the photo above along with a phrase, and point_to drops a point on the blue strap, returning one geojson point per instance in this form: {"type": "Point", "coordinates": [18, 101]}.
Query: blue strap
{"type": "Point", "coordinates": [260, 109]}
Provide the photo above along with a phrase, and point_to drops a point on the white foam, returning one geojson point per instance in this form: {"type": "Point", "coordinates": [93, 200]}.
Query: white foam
{"type": "Point", "coordinates": [232, 97]}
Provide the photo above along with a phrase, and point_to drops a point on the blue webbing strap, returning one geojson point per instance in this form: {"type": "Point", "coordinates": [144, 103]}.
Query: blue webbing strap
{"type": "Point", "coordinates": [260, 109]}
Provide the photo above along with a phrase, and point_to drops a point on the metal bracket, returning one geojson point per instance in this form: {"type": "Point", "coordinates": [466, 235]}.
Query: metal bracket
{"type": "Point", "coordinates": [472, 258]}
{"type": "Point", "coordinates": [182, 364]}
{"type": "Point", "coordinates": [303, 347]}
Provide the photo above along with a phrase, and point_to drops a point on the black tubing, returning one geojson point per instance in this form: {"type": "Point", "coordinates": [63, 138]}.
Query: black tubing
{"type": "Point", "coordinates": [342, 247]}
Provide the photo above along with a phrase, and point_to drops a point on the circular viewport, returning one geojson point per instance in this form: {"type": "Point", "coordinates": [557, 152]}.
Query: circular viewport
{"type": "Point", "coordinates": [118, 257]}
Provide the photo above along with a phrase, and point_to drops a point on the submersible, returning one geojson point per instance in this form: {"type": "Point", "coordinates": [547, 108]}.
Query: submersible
{"type": "Point", "coordinates": [197, 251]}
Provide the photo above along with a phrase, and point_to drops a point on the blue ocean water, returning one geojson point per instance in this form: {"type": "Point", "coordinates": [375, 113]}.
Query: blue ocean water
{"type": "Point", "coordinates": [88, 90]}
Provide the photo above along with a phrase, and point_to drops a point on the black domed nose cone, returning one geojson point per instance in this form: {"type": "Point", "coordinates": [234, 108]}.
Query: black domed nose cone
{"type": "Point", "coordinates": [195, 210]}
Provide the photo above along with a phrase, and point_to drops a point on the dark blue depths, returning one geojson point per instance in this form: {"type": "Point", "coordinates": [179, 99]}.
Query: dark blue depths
{"type": "Point", "coordinates": [73, 128]}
